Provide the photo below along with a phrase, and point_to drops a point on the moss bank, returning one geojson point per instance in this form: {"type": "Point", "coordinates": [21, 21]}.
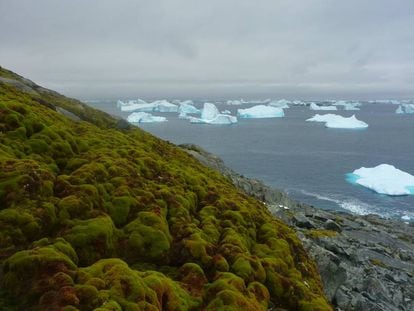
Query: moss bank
{"type": "Point", "coordinates": [93, 217]}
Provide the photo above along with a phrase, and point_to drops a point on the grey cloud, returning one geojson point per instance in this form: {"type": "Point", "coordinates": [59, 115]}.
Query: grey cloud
{"type": "Point", "coordinates": [186, 48]}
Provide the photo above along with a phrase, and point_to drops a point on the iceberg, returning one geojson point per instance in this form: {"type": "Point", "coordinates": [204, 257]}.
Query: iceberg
{"type": "Point", "coordinates": [384, 179]}
{"type": "Point", "coordinates": [314, 106]}
{"type": "Point", "coordinates": [187, 108]}
{"type": "Point", "coordinates": [122, 105]}
{"type": "Point", "coordinates": [261, 111]}
{"type": "Point", "coordinates": [226, 112]}
{"type": "Point", "coordinates": [140, 105]}
{"type": "Point", "coordinates": [164, 106]}
{"type": "Point", "coordinates": [282, 103]}
{"type": "Point", "coordinates": [234, 102]}
{"type": "Point", "coordinates": [348, 105]}
{"type": "Point", "coordinates": [144, 117]}
{"type": "Point", "coordinates": [405, 108]}
{"type": "Point", "coordinates": [211, 115]}
{"type": "Point", "coordinates": [339, 122]}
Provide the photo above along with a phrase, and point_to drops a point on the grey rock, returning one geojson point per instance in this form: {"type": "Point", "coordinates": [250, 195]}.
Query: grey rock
{"type": "Point", "coordinates": [332, 225]}
{"type": "Point", "coordinates": [302, 221]}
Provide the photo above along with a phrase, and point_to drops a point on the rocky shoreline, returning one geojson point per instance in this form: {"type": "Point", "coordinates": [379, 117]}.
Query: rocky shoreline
{"type": "Point", "coordinates": [366, 262]}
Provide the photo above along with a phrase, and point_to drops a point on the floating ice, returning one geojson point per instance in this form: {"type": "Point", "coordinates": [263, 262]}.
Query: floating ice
{"type": "Point", "coordinates": [211, 115]}
{"type": "Point", "coordinates": [314, 106]}
{"type": "Point", "coordinates": [348, 105]}
{"type": "Point", "coordinates": [234, 102]}
{"type": "Point", "coordinates": [384, 179]}
{"type": "Point", "coordinates": [226, 111]}
{"type": "Point", "coordinates": [282, 103]}
{"type": "Point", "coordinates": [399, 110]}
{"type": "Point", "coordinates": [164, 106]}
{"type": "Point", "coordinates": [144, 117]}
{"type": "Point", "coordinates": [140, 105]}
{"type": "Point", "coordinates": [406, 218]}
{"type": "Point", "coordinates": [405, 108]}
{"type": "Point", "coordinates": [339, 122]}
{"type": "Point", "coordinates": [186, 107]}
{"type": "Point", "coordinates": [261, 111]}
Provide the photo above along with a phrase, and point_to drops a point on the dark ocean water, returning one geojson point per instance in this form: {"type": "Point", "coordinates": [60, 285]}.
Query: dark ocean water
{"type": "Point", "coordinates": [306, 159]}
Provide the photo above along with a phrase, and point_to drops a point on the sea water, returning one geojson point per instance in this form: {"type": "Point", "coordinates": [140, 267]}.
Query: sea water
{"type": "Point", "coordinates": [305, 159]}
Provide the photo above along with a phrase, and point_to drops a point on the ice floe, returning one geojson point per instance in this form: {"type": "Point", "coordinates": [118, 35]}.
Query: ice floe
{"type": "Point", "coordinates": [211, 115]}
{"type": "Point", "coordinates": [384, 179]}
{"type": "Point", "coordinates": [144, 117]}
{"type": "Point", "coordinates": [339, 122]}
{"type": "Point", "coordinates": [261, 111]}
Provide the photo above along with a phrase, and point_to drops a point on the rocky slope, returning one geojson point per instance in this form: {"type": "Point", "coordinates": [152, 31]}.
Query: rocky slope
{"type": "Point", "coordinates": [366, 262]}
{"type": "Point", "coordinates": [95, 215]}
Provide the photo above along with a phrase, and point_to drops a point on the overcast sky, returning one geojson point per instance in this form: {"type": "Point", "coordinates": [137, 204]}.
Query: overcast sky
{"type": "Point", "coordinates": [305, 49]}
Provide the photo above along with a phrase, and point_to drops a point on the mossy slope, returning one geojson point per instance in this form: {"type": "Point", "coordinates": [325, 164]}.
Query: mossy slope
{"type": "Point", "coordinates": [93, 217]}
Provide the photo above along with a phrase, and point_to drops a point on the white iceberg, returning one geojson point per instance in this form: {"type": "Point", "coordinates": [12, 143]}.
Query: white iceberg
{"type": "Point", "coordinates": [158, 106]}
{"type": "Point", "coordinates": [348, 105]}
{"type": "Point", "coordinates": [124, 106]}
{"type": "Point", "coordinates": [226, 112]}
{"type": "Point", "coordinates": [384, 179]}
{"type": "Point", "coordinates": [234, 102]}
{"type": "Point", "coordinates": [211, 115]}
{"type": "Point", "coordinates": [187, 108]}
{"type": "Point", "coordinates": [144, 117]}
{"type": "Point", "coordinates": [339, 122]}
{"type": "Point", "coordinates": [314, 106]}
{"type": "Point", "coordinates": [164, 106]}
{"type": "Point", "coordinates": [405, 108]}
{"type": "Point", "coordinates": [261, 111]}
{"type": "Point", "coordinates": [282, 103]}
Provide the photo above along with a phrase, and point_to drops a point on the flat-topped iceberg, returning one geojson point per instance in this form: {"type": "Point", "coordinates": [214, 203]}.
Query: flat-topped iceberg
{"type": "Point", "coordinates": [384, 179]}
{"type": "Point", "coordinates": [144, 117]}
{"type": "Point", "coordinates": [261, 111]}
{"type": "Point", "coordinates": [314, 106]}
{"type": "Point", "coordinates": [405, 108]}
{"type": "Point", "coordinates": [211, 115]}
{"type": "Point", "coordinates": [140, 105]}
{"type": "Point", "coordinates": [339, 122]}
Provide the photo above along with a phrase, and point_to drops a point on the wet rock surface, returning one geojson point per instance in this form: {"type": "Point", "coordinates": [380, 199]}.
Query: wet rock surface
{"type": "Point", "coordinates": [366, 262]}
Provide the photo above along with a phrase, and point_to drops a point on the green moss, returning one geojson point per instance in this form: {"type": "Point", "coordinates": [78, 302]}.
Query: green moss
{"type": "Point", "coordinates": [92, 239]}
{"type": "Point", "coordinates": [378, 262]}
{"type": "Point", "coordinates": [126, 194]}
{"type": "Point", "coordinates": [320, 233]}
